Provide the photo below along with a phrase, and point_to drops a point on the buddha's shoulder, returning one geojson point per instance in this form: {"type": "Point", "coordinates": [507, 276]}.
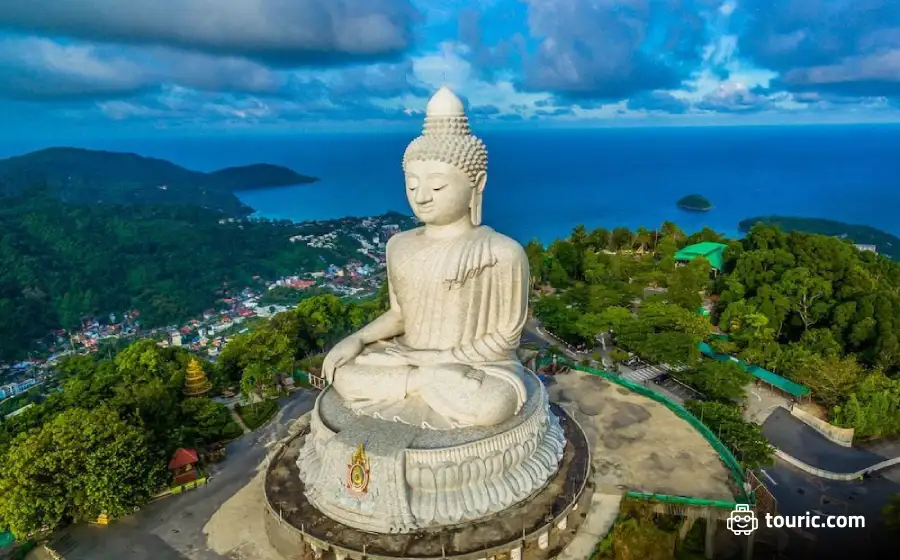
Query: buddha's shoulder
{"type": "Point", "coordinates": [398, 240]}
{"type": "Point", "coordinates": [506, 248]}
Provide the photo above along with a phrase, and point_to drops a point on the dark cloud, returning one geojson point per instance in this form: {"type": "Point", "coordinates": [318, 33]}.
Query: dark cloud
{"type": "Point", "coordinates": [38, 69]}
{"type": "Point", "coordinates": [285, 32]}
{"type": "Point", "coordinates": [589, 49]}
{"type": "Point", "coordinates": [659, 101]}
{"type": "Point", "coordinates": [842, 47]}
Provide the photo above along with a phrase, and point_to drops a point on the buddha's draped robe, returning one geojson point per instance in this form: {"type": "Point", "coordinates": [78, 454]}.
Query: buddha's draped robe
{"type": "Point", "coordinates": [466, 296]}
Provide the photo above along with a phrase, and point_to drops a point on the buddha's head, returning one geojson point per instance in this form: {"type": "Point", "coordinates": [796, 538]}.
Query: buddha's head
{"type": "Point", "coordinates": [446, 167]}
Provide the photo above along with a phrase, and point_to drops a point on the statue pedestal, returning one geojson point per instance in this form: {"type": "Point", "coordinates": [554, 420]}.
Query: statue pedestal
{"type": "Point", "coordinates": [388, 477]}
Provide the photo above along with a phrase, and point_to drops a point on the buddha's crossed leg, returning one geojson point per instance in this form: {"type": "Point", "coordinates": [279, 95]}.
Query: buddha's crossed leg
{"type": "Point", "coordinates": [461, 395]}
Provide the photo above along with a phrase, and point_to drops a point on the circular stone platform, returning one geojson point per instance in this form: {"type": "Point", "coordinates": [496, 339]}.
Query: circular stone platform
{"type": "Point", "coordinates": [385, 476]}
{"type": "Point", "coordinates": [536, 527]}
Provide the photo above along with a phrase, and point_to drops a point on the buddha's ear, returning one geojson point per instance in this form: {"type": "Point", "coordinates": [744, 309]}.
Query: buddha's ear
{"type": "Point", "coordinates": [480, 181]}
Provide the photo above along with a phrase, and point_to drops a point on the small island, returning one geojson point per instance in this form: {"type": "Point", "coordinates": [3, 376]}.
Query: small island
{"type": "Point", "coordinates": [863, 236]}
{"type": "Point", "coordinates": [695, 203]}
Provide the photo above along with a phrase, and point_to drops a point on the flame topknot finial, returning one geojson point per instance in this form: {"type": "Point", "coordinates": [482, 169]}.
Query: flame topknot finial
{"type": "Point", "coordinates": [445, 103]}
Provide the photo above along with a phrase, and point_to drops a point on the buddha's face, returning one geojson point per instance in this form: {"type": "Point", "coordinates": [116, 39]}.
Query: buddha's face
{"type": "Point", "coordinates": [438, 192]}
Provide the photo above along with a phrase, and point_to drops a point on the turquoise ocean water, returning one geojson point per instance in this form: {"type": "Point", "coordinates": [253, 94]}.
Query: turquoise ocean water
{"type": "Point", "coordinates": [542, 183]}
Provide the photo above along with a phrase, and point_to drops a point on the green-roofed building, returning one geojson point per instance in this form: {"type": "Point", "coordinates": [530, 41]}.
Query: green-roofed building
{"type": "Point", "coordinates": [714, 253]}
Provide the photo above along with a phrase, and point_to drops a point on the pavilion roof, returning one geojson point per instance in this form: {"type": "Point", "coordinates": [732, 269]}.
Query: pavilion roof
{"type": "Point", "coordinates": [183, 457]}
{"type": "Point", "coordinates": [712, 252]}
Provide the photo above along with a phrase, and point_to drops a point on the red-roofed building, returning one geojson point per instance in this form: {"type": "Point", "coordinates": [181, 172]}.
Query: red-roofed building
{"type": "Point", "coordinates": [183, 466]}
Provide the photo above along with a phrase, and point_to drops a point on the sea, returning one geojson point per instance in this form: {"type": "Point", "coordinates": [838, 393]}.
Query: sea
{"type": "Point", "coordinates": [542, 183]}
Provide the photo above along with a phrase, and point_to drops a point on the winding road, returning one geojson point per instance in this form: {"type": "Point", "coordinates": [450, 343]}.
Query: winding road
{"type": "Point", "coordinates": [172, 528]}
{"type": "Point", "coordinates": [791, 435]}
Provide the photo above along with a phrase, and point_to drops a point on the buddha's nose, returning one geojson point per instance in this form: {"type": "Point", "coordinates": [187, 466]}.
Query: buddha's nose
{"type": "Point", "coordinates": [423, 196]}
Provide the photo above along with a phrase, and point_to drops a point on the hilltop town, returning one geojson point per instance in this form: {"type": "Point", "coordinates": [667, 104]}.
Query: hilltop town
{"type": "Point", "coordinates": [208, 333]}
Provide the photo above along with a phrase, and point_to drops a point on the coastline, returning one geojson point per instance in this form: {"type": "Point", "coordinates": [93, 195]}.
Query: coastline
{"type": "Point", "coordinates": [695, 209]}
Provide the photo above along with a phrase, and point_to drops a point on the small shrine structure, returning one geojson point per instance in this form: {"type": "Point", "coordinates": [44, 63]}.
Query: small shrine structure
{"type": "Point", "coordinates": [183, 466]}
{"type": "Point", "coordinates": [195, 383]}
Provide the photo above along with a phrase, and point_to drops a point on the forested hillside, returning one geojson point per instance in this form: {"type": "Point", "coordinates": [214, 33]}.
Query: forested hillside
{"type": "Point", "coordinates": [810, 307]}
{"type": "Point", "coordinates": [60, 262]}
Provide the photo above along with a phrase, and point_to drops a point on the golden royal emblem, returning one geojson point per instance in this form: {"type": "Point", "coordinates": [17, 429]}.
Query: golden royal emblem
{"type": "Point", "coordinates": [358, 471]}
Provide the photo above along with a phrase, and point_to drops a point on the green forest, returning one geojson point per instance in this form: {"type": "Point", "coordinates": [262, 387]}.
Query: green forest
{"type": "Point", "coordinates": [60, 262]}
{"type": "Point", "coordinates": [885, 243]}
{"type": "Point", "coordinates": [101, 443]}
{"type": "Point", "coordinates": [810, 307]}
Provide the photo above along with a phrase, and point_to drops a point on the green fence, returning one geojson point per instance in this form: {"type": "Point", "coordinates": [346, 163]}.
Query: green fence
{"type": "Point", "coordinates": [725, 454]}
{"type": "Point", "coordinates": [7, 539]}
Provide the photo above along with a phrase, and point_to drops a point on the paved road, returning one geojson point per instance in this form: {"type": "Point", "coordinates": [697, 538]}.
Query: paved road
{"type": "Point", "coordinates": [798, 492]}
{"type": "Point", "coordinates": [534, 333]}
{"type": "Point", "coordinates": [802, 442]}
{"type": "Point", "coordinates": [172, 528]}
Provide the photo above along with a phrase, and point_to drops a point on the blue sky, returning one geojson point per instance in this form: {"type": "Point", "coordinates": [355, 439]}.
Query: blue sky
{"type": "Point", "coordinates": [116, 67]}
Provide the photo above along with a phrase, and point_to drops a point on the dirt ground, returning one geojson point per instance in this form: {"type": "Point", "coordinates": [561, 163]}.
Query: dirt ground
{"type": "Point", "coordinates": [236, 530]}
{"type": "Point", "coordinates": [638, 444]}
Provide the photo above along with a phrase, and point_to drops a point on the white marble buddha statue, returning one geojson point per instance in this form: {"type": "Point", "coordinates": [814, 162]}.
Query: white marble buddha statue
{"type": "Point", "coordinates": [443, 355]}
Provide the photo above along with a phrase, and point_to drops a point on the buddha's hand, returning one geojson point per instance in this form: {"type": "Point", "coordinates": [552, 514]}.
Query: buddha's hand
{"type": "Point", "coordinates": [466, 377]}
{"type": "Point", "coordinates": [343, 352]}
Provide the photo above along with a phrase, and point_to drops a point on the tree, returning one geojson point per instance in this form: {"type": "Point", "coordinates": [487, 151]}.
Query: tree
{"type": "Point", "coordinates": [807, 294]}
{"type": "Point", "coordinates": [873, 409]}
{"type": "Point", "coordinates": [619, 239]}
{"type": "Point", "coordinates": [720, 381]}
{"type": "Point", "coordinates": [207, 422]}
{"type": "Point", "coordinates": [661, 332]}
{"type": "Point", "coordinates": [258, 382]}
{"type": "Point", "coordinates": [535, 253]}
{"type": "Point", "coordinates": [618, 356]}
{"type": "Point", "coordinates": [746, 440]}
{"type": "Point", "coordinates": [81, 464]}
{"type": "Point", "coordinates": [569, 258]}
{"type": "Point", "coordinates": [686, 283]}
{"type": "Point", "coordinates": [830, 379]}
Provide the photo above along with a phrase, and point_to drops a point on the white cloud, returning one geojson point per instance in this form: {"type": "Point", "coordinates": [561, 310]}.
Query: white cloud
{"type": "Point", "coordinates": [447, 66]}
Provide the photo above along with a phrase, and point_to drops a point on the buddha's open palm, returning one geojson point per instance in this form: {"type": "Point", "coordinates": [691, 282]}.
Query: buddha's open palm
{"type": "Point", "coordinates": [343, 352]}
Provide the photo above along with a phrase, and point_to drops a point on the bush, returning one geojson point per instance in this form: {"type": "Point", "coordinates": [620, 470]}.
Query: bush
{"type": "Point", "coordinates": [746, 440]}
{"type": "Point", "coordinates": [257, 414]}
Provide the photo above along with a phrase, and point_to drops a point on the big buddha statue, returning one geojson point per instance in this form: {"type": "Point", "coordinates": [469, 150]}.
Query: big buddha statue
{"type": "Point", "coordinates": [429, 418]}
{"type": "Point", "coordinates": [443, 355]}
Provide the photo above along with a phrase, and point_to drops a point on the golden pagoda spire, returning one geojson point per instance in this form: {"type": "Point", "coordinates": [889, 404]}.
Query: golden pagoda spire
{"type": "Point", "coordinates": [195, 382]}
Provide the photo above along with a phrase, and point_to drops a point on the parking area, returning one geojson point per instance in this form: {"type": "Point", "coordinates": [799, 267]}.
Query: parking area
{"type": "Point", "coordinates": [636, 370]}
{"type": "Point", "coordinates": [678, 389]}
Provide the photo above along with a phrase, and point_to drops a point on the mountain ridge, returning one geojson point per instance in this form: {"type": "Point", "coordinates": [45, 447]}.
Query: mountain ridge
{"type": "Point", "coordinates": [84, 176]}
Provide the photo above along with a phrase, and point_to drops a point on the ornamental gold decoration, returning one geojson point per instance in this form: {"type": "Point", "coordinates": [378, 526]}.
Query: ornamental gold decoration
{"type": "Point", "coordinates": [358, 471]}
